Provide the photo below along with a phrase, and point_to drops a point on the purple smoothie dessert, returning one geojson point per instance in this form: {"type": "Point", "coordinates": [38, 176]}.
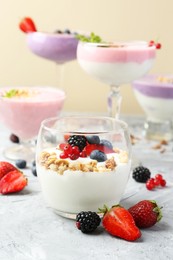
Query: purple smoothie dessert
{"type": "Point", "coordinates": [155, 95]}
{"type": "Point", "coordinates": [57, 47]}
{"type": "Point", "coordinates": [155, 86]}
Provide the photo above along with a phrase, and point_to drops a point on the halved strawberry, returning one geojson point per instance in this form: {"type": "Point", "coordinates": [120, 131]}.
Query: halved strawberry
{"type": "Point", "coordinates": [6, 167]}
{"type": "Point", "coordinates": [119, 222]}
{"type": "Point", "coordinates": [27, 25]}
{"type": "Point", "coordinates": [13, 181]}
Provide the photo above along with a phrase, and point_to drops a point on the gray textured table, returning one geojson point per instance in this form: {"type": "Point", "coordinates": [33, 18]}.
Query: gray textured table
{"type": "Point", "coordinates": [31, 230]}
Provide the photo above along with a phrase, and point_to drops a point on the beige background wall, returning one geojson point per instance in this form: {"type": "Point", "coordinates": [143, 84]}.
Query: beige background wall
{"type": "Point", "coordinates": [112, 19]}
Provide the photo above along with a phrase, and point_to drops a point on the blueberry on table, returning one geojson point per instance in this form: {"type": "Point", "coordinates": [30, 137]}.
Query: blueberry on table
{"type": "Point", "coordinates": [34, 163]}
{"type": "Point", "coordinates": [34, 171]}
{"type": "Point", "coordinates": [21, 164]}
{"type": "Point", "coordinates": [14, 138]}
{"type": "Point", "coordinates": [98, 155]}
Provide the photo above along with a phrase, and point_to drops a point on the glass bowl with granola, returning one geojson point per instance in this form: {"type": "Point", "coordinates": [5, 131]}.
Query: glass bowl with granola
{"type": "Point", "coordinates": [82, 162]}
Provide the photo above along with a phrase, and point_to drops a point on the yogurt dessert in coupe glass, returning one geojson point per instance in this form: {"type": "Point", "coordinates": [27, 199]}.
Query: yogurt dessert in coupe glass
{"type": "Point", "coordinates": [22, 109]}
{"type": "Point", "coordinates": [86, 165]}
{"type": "Point", "coordinates": [59, 47]}
{"type": "Point", "coordinates": [116, 63]}
{"type": "Point", "coordinates": [155, 95]}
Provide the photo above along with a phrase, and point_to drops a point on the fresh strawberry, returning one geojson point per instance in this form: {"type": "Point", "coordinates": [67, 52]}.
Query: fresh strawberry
{"type": "Point", "coordinates": [27, 25]}
{"type": "Point", "coordinates": [6, 167]}
{"type": "Point", "coordinates": [119, 222]}
{"type": "Point", "coordinates": [146, 213]}
{"type": "Point", "coordinates": [13, 181]}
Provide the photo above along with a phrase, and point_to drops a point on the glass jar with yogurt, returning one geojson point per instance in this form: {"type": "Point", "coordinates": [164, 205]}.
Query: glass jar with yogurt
{"type": "Point", "coordinates": [83, 162]}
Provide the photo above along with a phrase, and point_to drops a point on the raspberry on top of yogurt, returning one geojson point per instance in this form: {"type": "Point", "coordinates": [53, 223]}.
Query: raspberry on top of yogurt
{"type": "Point", "coordinates": [84, 154]}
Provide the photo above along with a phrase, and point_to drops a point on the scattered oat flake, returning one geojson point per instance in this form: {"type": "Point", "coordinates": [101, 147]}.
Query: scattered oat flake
{"type": "Point", "coordinates": [157, 146]}
{"type": "Point", "coordinates": [134, 139]}
{"type": "Point", "coordinates": [164, 142]}
{"type": "Point", "coordinates": [163, 150]}
{"type": "Point", "coordinates": [160, 145]}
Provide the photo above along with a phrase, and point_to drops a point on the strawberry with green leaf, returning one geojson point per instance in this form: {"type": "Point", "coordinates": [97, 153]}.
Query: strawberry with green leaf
{"type": "Point", "coordinates": [118, 222]}
{"type": "Point", "coordinates": [146, 213]}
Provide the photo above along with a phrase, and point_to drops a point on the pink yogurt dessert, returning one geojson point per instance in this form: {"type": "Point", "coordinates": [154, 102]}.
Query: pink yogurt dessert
{"type": "Point", "coordinates": [116, 63]}
{"type": "Point", "coordinates": [22, 109]}
{"type": "Point", "coordinates": [57, 47]}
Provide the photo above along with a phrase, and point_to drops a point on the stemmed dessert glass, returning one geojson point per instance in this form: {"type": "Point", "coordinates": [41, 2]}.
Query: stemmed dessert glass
{"type": "Point", "coordinates": [115, 64]}
{"type": "Point", "coordinates": [92, 173]}
{"type": "Point", "coordinates": [154, 94]}
{"type": "Point", "coordinates": [22, 109]}
{"type": "Point", "coordinates": [57, 47]}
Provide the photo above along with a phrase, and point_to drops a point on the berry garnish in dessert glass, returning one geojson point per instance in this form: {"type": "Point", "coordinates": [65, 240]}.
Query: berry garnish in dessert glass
{"type": "Point", "coordinates": [115, 63]}
{"type": "Point", "coordinates": [154, 93]}
{"type": "Point", "coordinates": [59, 47]}
{"type": "Point", "coordinates": [22, 109]}
{"type": "Point", "coordinates": [82, 162]}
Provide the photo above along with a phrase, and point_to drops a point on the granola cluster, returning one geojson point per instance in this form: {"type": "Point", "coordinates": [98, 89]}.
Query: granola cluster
{"type": "Point", "coordinates": [51, 162]}
{"type": "Point", "coordinates": [165, 80]}
{"type": "Point", "coordinates": [19, 93]}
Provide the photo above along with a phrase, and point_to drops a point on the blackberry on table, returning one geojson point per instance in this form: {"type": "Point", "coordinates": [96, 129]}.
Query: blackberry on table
{"type": "Point", "coordinates": [141, 174]}
{"type": "Point", "coordinates": [78, 140]}
{"type": "Point", "coordinates": [87, 221]}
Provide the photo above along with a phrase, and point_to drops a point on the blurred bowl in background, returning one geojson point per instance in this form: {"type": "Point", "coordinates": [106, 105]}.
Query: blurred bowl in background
{"type": "Point", "coordinates": [155, 95]}
{"type": "Point", "coordinates": [22, 109]}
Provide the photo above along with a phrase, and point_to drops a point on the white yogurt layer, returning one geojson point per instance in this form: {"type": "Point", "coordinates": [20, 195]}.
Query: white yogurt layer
{"type": "Point", "coordinates": [157, 109]}
{"type": "Point", "coordinates": [116, 73]}
{"type": "Point", "coordinates": [74, 191]}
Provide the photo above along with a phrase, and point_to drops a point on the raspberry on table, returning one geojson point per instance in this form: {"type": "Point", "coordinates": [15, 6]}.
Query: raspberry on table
{"type": "Point", "coordinates": [87, 221]}
{"type": "Point", "coordinates": [141, 174]}
{"type": "Point", "coordinates": [78, 140]}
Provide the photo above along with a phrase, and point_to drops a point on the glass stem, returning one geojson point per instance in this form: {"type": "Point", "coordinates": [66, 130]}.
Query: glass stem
{"type": "Point", "coordinates": [114, 102]}
{"type": "Point", "coordinates": [60, 76]}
